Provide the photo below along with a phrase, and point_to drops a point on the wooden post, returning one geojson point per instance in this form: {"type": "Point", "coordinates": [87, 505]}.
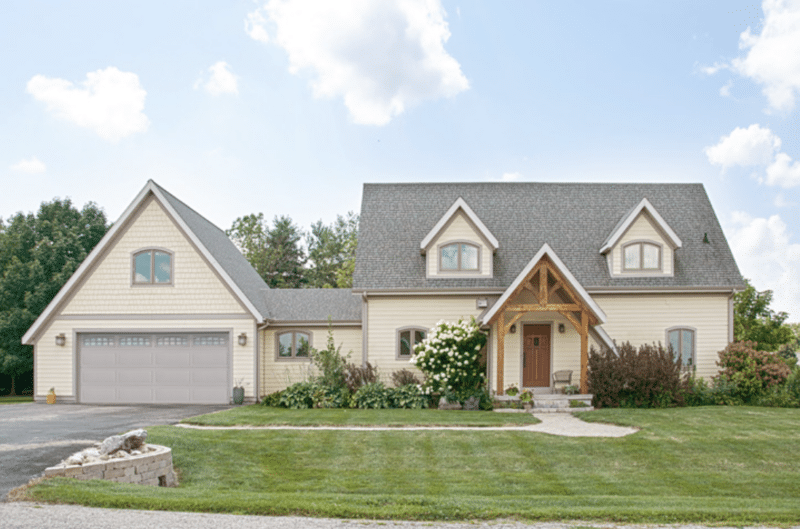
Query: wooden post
{"type": "Point", "coordinates": [501, 350]}
{"type": "Point", "coordinates": [584, 352]}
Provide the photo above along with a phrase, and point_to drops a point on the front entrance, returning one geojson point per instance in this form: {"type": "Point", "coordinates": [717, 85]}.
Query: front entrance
{"type": "Point", "coordinates": [536, 356]}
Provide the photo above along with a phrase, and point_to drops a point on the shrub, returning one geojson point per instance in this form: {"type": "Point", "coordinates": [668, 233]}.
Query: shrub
{"type": "Point", "coordinates": [793, 384]}
{"type": "Point", "coordinates": [272, 400]}
{"type": "Point", "coordinates": [329, 363]}
{"type": "Point", "coordinates": [753, 372]}
{"type": "Point", "coordinates": [649, 377]}
{"type": "Point", "coordinates": [777, 397]}
{"type": "Point", "coordinates": [357, 376]}
{"type": "Point", "coordinates": [404, 377]}
{"type": "Point", "coordinates": [299, 396]}
{"type": "Point", "coordinates": [373, 395]}
{"type": "Point", "coordinates": [330, 397]}
{"type": "Point", "coordinates": [408, 396]}
{"type": "Point", "coordinates": [450, 358]}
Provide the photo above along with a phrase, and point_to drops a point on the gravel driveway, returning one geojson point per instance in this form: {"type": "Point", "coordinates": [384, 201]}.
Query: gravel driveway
{"type": "Point", "coordinates": [34, 436]}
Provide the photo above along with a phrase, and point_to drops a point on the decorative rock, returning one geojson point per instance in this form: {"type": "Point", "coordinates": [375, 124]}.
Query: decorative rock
{"type": "Point", "coordinates": [127, 442]}
{"type": "Point", "coordinates": [472, 404]}
{"type": "Point", "coordinates": [444, 404]}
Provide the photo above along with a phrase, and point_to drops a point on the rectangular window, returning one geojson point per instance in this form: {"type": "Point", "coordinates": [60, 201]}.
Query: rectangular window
{"type": "Point", "coordinates": [450, 257]}
{"type": "Point", "coordinates": [632, 256]}
{"type": "Point", "coordinates": [134, 341]}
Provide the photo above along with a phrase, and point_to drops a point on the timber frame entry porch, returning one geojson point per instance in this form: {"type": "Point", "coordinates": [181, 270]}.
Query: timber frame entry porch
{"type": "Point", "coordinates": [548, 291]}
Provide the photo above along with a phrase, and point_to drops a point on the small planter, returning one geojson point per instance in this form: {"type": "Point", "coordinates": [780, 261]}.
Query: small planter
{"type": "Point", "coordinates": [238, 395]}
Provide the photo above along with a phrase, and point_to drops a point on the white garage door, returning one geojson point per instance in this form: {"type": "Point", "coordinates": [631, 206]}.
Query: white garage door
{"type": "Point", "coordinates": [157, 368]}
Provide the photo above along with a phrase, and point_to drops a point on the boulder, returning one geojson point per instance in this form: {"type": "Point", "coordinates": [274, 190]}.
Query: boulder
{"type": "Point", "coordinates": [127, 442]}
{"type": "Point", "coordinates": [444, 404]}
{"type": "Point", "coordinates": [472, 404]}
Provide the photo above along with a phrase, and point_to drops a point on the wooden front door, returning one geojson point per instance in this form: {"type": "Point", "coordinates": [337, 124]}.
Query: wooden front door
{"type": "Point", "coordinates": [536, 356]}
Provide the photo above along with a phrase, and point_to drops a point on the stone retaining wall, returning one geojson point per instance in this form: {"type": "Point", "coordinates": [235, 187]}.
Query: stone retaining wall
{"type": "Point", "coordinates": [153, 468]}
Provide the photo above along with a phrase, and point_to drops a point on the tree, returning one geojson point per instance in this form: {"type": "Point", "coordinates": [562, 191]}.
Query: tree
{"type": "Point", "coordinates": [38, 254]}
{"type": "Point", "coordinates": [754, 321]}
{"type": "Point", "coordinates": [332, 252]}
{"type": "Point", "coordinates": [275, 252]}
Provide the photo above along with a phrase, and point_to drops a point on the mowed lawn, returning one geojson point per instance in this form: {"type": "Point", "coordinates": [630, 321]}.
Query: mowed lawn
{"type": "Point", "coordinates": [713, 465]}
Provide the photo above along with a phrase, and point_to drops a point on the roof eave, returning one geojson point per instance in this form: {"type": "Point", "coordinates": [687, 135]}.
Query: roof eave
{"type": "Point", "coordinates": [645, 204]}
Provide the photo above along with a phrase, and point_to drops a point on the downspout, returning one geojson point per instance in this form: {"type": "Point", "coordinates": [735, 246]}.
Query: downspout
{"type": "Point", "coordinates": [730, 316]}
{"type": "Point", "coordinates": [364, 329]}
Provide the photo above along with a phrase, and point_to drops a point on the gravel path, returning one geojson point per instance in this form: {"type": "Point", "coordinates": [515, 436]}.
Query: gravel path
{"type": "Point", "coordinates": [564, 424]}
{"type": "Point", "coordinates": [27, 515]}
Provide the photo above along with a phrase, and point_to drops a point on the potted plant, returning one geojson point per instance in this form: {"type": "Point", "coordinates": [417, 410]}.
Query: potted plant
{"type": "Point", "coordinates": [527, 399]}
{"type": "Point", "coordinates": [51, 396]}
{"type": "Point", "coordinates": [571, 390]}
{"type": "Point", "coordinates": [238, 392]}
{"type": "Point", "coordinates": [512, 390]}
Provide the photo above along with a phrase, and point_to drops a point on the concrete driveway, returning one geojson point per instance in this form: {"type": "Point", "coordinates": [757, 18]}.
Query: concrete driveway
{"type": "Point", "coordinates": [35, 436]}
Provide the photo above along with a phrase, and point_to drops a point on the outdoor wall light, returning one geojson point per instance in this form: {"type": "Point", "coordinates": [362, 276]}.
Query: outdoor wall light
{"type": "Point", "coordinates": [513, 329]}
{"type": "Point", "coordinates": [61, 340]}
{"type": "Point", "coordinates": [243, 339]}
{"type": "Point", "coordinates": [561, 328]}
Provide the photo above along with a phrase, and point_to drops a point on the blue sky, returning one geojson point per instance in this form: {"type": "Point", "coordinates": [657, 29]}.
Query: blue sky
{"type": "Point", "coordinates": [287, 108]}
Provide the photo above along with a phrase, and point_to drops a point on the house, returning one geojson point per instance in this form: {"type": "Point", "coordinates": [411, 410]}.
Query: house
{"type": "Point", "coordinates": [166, 310]}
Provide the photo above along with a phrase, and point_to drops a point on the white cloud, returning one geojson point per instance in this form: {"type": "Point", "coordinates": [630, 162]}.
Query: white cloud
{"type": "Point", "coordinates": [711, 70]}
{"type": "Point", "coordinates": [221, 81]}
{"type": "Point", "coordinates": [32, 166]}
{"type": "Point", "coordinates": [379, 56]}
{"type": "Point", "coordinates": [109, 101]}
{"type": "Point", "coordinates": [772, 58]}
{"type": "Point", "coordinates": [781, 201]}
{"type": "Point", "coordinates": [725, 90]}
{"type": "Point", "coordinates": [511, 177]}
{"type": "Point", "coordinates": [767, 256]}
{"type": "Point", "coordinates": [751, 146]}
{"type": "Point", "coordinates": [782, 172]}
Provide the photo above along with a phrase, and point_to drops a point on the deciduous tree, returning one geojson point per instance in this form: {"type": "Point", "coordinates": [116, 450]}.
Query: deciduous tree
{"type": "Point", "coordinates": [755, 321]}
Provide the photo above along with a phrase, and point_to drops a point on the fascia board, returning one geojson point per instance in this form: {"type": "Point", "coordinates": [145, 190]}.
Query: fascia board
{"type": "Point", "coordinates": [459, 204]}
{"type": "Point", "coordinates": [563, 270]}
{"type": "Point", "coordinates": [662, 224]}
{"type": "Point", "coordinates": [604, 337]}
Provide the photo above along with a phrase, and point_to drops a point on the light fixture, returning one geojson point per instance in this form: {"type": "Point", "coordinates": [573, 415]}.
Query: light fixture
{"type": "Point", "coordinates": [513, 329]}
{"type": "Point", "coordinates": [561, 328]}
{"type": "Point", "coordinates": [243, 339]}
{"type": "Point", "coordinates": [61, 340]}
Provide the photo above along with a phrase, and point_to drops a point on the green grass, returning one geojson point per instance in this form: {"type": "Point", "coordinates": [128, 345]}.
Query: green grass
{"type": "Point", "coordinates": [16, 399]}
{"type": "Point", "coordinates": [716, 465]}
{"type": "Point", "coordinates": [257, 415]}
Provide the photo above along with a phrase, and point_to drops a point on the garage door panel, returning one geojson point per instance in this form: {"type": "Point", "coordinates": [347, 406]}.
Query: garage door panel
{"type": "Point", "coordinates": [160, 368]}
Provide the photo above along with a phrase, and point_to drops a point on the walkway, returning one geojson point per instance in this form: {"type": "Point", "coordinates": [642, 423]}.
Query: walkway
{"type": "Point", "coordinates": [564, 424]}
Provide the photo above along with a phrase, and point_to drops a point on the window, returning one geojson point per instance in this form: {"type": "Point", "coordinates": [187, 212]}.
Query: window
{"type": "Point", "coordinates": [459, 256]}
{"type": "Point", "coordinates": [293, 344]}
{"type": "Point", "coordinates": [152, 267]}
{"type": "Point", "coordinates": [642, 256]}
{"type": "Point", "coordinates": [681, 340]}
{"type": "Point", "coordinates": [407, 338]}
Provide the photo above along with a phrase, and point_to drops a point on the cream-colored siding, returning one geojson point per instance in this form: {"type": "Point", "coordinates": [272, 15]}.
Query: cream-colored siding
{"type": "Point", "coordinates": [645, 318]}
{"type": "Point", "coordinates": [642, 229]}
{"type": "Point", "coordinates": [55, 366]}
{"type": "Point", "coordinates": [565, 349]}
{"type": "Point", "coordinates": [387, 314]}
{"type": "Point", "coordinates": [279, 374]}
{"type": "Point", "coordinates": [459, 229]}
{"type": "Point", "coordinates": [195, 288]}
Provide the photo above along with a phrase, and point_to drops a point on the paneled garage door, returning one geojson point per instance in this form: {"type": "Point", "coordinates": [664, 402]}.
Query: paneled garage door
{"type": "Point", "coordinates": [154, 368]}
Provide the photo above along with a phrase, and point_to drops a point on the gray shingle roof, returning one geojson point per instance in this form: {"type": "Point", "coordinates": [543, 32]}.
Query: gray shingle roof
{"type": "Point", "coordinates": [224, 251]}
{"type": "Point", "coordinates": [574, 219]}
{"type": "Point", "coordinates": [313, 304]}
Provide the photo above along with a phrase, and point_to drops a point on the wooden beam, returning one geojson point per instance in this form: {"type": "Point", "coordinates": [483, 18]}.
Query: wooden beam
{"type": "Point", "coordinates": [555, 307]}
{"type": "Point", "coordinates": [527, 286]}
{"type": "Point", "coordinates": [543, 283]}
{"type": "Point", "coordinates": [501, 343]}
{"type": "Point", "coordinates": [553, 290]}
{"type": "Point", "coordinates": [584, 352]}
{"type": "Point", "coordinates": [513, 320]}
{"type": "Point", "coordinates": [570, 318]}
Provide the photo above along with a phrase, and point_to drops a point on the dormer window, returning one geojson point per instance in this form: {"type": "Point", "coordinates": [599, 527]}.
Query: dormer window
{"type": "Point", "coordinates": [459, 256]}
{"type": "Point", "coordinates": [152, 267]}
{"type": "Point", "coordinates": [642, 256]}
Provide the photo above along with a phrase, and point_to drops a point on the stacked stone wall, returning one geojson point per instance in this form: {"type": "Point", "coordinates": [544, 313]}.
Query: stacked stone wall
{"type": "Point", "coordinates": [153, 468]}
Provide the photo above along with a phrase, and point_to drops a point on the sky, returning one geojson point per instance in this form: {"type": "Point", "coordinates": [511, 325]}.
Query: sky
{"type": "Point", "coordinates": [288, 107]}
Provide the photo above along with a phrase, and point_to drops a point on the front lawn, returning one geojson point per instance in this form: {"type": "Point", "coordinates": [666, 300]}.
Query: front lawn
{"type": "Point", "coordinates": [712, 465]}
{"type": "Point", "coordinates": [17, 399]}
{"type": "Point", "coordinates": [257, 415]}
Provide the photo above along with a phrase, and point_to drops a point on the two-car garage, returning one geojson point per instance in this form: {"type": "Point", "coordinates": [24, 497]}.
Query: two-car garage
{"type": "Point", "coordinates": [154, 368]}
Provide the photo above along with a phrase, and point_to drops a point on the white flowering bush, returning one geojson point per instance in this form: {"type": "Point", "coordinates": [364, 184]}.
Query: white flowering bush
{"type": "Point", "coordinates": [450, 358]}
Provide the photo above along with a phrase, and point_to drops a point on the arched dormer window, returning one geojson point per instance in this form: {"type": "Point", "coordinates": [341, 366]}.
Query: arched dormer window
{"type": "Point", "coordinates": [152, 267]}
{"type": "Point", "coordinates": [459, 256]}
{"type": "Point", "coordinates": [407, 339]}
{"type": "Point", "coordinates": [641, 256]}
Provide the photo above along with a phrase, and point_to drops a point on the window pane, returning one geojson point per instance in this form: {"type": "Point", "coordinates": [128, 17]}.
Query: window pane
{"type": "Point", "coordinates": [674, 342]}
{"type": "Point", "coordinates": [469, 257]}
{"type": "Point", "coordinates": [285, 344]}
{"type": "Point", "coordinates": [302, 345]}
{"type": "Point", "coordinates": [142, 268]}
{"type": "Point", "coordinates": [687, 349]}
{"type": "Point", "coordinates": [632, 256]}
{"type": "Point", "coordinates": [418, 336]}
{"type": "Point", "coordinates": [651, 256]}
{"type": "Point", "coordinates": [163, 268]}
{"type": "Point", "coordinates": [405, 343]}
{"type": "Point", "coordinates": [450, 257]}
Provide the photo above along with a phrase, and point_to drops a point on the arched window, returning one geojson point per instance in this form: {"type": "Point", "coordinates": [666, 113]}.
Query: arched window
{"type": "Point", "coordinates": [682, 342]}
{"type": "Point", "coordinates": [293, 344]}
{"type": "Point", "coordinates": [407, 339]}
{"type": "Point", "coordinates": [152, 267]}
{"type": "Point", "coordinates": [644, 256]}
{"type": "Point", "coordinates": [459, 256]}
